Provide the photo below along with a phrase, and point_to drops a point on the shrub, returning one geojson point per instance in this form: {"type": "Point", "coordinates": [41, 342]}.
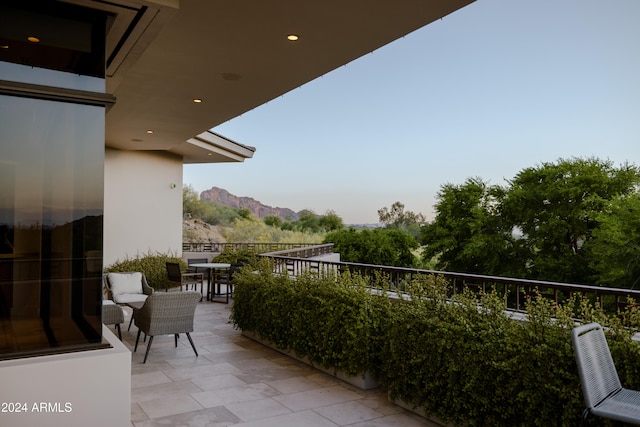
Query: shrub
{"type": "Point", "coordinates": [153, 265]}
{"type": "Point", "coordinates": [240, 257]}
{"type": "Point", "coordinates": [331, 320]}
{"type": "Point", "coordinates": [462, 359]}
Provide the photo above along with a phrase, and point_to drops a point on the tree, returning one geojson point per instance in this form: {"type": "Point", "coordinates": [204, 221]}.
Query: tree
{"type": "Point", "coordinates": [273, 221]}
{"type": "Point", "coordinates": [556, 206]}
{"type": "Point", "coordinates": [308, 222]}
{"type": "Point", "coordinates": [330, 221]}
{"type": "Point", "coordinates": [468, 233]}
{"type": "Point", "coordinates": [381, 246]}
{"type": "Point", "coordinates": [396, 217]}
{"type": "Point", "coordinates": [542, 226]}
{"type": "Point", "coordinates": [614, 250]}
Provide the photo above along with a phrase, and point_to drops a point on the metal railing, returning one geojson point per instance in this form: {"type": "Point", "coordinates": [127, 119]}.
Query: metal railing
{"type": "Point", "coordinates": [257, 247]}
{"type": "Point", "coordinates": [516, 290]}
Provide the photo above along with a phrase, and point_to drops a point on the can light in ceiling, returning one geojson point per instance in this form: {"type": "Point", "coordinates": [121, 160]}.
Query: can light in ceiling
{"type": "Point", "coordinates": [292, 37]}
{"type": "Point", "coordinates": [197, 101]}
{"type": "Point", "coordinates": [33, 39]}
{"type": "Point", "coordinates": [150, 131]}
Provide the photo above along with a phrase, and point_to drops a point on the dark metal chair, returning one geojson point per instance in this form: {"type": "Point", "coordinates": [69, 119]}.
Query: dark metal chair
{"type": "Point", "coordinates": [224, 278]}
{"type": "Point", "coordinates": [165, 314]}
{"type": "Point", "coordinates": [177, 277]}
{"type": "Point", "coordinates": [191, 269]}
{"type": "Point", "coordinates": [601, 387]}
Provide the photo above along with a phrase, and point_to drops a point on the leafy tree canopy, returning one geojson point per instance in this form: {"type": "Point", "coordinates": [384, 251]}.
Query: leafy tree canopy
{"type": "Point", "coordinates": [556, 206]}
{"type": "Point", "coordinates": [468, 233]}
{"type": "Point", "coordinates": [381, 246]}
{"type": "Point", "coordinates": [542, 225]}
{"type": "Point", "coordinates": [397, 217]}
{"type": "Point", "coordinates": [614, 250]}
{"type": "Point", "coordinates": [309, 222]}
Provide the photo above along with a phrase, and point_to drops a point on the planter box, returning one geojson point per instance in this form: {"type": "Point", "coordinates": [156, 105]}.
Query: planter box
{"type": "Point", "coordinates": [365, 382]}
{"type": "Point", "coordinates": [419, 411]}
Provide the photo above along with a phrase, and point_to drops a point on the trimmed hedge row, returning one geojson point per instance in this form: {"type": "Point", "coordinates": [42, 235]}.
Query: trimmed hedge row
{"type": "Point", "coordinates": [335, 323]}
{"type": "Point", "coordinates": [462, 360]}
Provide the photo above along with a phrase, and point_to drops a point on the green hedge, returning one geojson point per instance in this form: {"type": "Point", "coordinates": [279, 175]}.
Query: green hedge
{"type": "Point", "coordinates": [238, 257]}
{"type": "Point", "coordinates": [462, 360]}
{"type": "Point", "coordinates": [153, 265]}
{"type": "Point", "coordinates": [333, 321]}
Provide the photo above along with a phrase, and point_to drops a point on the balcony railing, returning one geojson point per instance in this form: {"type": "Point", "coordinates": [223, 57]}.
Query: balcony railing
{"type": "Point", "coordinates": [257, 247]}
{"type": "Point", "coordinates": [516, 290]}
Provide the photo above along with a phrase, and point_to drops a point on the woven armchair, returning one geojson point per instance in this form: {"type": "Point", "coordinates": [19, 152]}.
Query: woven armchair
{"type": "Point", "coordinates": [132, 293]}
{"type": "Point", "coordinates": [139, 295]}
{"type": "Point", "coordinates": [112, 314]}
{"type": "Point", "coordinates": [165, 314]}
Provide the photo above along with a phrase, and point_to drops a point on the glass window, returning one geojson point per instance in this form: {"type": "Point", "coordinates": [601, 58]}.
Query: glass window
{"type": "Point", "coordinates": [51, 206]}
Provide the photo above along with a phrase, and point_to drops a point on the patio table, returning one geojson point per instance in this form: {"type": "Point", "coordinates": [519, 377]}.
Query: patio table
{"type": "Point", "coordinates": [211, 266]}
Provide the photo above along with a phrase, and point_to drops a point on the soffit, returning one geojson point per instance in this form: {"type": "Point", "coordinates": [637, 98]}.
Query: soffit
{"type": "Point", "coordinates": [234, 55]}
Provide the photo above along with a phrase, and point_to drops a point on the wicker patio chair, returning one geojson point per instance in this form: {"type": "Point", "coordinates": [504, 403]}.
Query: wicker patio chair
{"type": "Point", "coordinates": [127, 287]}
{"type": "Point", "coordinates": [165, 314]}
{"type": "Point", "coordinates": [112, 314]}
{"type": "Point", "coordinates": [601, 387]}
{"type": "Point", "coordinates": [124, 287]}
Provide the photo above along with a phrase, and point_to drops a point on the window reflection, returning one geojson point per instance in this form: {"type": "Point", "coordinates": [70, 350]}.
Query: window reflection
{"type": "Point", "coordinates": [51, 198]}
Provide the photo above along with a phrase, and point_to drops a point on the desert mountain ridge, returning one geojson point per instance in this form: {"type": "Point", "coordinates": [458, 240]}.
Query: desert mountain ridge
{"type": "Point", "coordinates": [257, 209]}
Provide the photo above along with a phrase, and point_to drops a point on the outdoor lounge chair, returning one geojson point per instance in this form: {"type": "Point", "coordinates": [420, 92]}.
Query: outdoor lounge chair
{"type": "Point", "coordinates": [127, 287]}
{"type": "Point", "coordinates": [165, 314]}
{"type": "Point", "coordinates": [112, 314]}
{"type": "Point", "coordinates": [603, 392]}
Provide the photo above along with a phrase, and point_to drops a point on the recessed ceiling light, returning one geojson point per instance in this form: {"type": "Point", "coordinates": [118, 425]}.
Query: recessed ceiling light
{"type": "Point", "coordinates": [149, 131]}
{"type": "Point", "coordinates": [4, 46]}
{"type": "Point", "coordinates": [136, 140]}
{"type": "Point", "coordinates": [292, 37]}
{"type": "Point", "coordinates": [209, 154]}
{"type": "Point", "coordinates": [33, 39]}
{"type": "Point", "coordinates": [197, 100]}
{"type": "Point", "coordinates": [231, 76]}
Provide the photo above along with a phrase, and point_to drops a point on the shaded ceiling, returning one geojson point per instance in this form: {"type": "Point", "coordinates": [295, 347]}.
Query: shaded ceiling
{"type": "Point", "coordinates": [234, 56]}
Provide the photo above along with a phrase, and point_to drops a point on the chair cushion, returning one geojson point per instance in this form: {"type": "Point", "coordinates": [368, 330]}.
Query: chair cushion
{"type": "Point", "coordinates": [126, 298]}
{"type": "Point", "coordinates": [125, 283]}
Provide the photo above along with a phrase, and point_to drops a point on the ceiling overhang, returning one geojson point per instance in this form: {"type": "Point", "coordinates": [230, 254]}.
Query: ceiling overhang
{"type": "Point", "coordinates": [233, 56]}
{"type": "Point", "coordinates": [218, 149]}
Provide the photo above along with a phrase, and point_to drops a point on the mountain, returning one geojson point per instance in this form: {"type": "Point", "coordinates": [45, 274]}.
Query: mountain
{"type": "Point", "coordinates": [223, 197]}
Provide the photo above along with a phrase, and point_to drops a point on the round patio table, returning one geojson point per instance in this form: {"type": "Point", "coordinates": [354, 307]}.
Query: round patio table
{"type": "Point", "coordinates": [211, 266]}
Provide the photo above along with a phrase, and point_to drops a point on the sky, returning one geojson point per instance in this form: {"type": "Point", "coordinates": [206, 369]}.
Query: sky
{"type": "Point", "coordinates": [487, 91]}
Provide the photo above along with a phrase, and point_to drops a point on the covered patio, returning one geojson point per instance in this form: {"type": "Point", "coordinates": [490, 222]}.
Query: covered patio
{"type": "Point", "coordinates": [236, 381]}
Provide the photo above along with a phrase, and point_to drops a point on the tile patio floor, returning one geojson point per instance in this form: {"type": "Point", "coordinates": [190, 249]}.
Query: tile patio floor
{"type": "Point", "coordinates": [238, 382]}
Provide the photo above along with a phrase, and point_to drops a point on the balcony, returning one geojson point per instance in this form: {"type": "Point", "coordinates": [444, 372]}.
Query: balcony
{"type": "Point", "coordinates": [238, 382]}
{"type": "Point", "coordinates": [535, 377]}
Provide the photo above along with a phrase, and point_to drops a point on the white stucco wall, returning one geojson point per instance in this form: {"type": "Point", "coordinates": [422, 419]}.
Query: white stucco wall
{"type": "Point", "coordinates": [142, 212]}
{"type": "Point", "coordinates": [87, 388]}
